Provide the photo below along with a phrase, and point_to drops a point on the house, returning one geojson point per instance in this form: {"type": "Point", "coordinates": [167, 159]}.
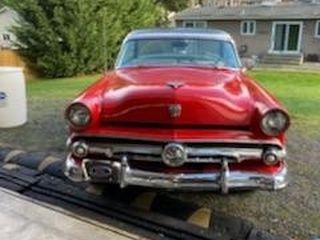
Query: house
{"type": "Point", "coordinates": [285, 33]}
{"type": "Point", "coordinates": [7, 20]}
{"type": "Point", "coordinates": [235, 3]}
{"type": "Point", "coordinates": [9, 55]}
{"type": "Point", "coordinates": [220, 3]}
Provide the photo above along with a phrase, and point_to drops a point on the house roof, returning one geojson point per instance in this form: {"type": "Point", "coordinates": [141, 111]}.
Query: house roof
{"type": "Point", "coordinates": [283, 12]}
{"type": "Point", "coordinates": [178, 33]}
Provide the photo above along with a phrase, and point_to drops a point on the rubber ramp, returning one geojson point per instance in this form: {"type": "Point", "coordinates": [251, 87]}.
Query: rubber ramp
{"type": "Point", "coordinates": [143, 211]}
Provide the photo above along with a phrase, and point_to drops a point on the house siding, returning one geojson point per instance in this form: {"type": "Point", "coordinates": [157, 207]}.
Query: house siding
{"type": "Point", "coordinates": [260, 43]}
{"type": "Point", "coordinates": [7, 20]}
{"type": "Point", "coordinates": [257, 44]}
{"type": "Point", "coordinates": [310, 44]}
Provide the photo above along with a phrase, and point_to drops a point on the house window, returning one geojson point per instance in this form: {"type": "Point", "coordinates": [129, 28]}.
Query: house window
{"type": "Point", "coordinates": [6, 37]}
{"type": "Point", "coordinates": [195, 24]}
{"type": "Point", "coordinates": [317, 31]}
{"type": "Point", "coordinates": [248, 27]}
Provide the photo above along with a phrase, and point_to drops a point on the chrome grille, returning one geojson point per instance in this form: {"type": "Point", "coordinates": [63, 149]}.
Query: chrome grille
{"type": "Point", "coordinates": [195, 153]}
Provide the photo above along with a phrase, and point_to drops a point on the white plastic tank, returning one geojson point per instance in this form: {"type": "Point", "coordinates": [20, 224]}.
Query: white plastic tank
{"type": "Point", "coordinates": [13, 101]}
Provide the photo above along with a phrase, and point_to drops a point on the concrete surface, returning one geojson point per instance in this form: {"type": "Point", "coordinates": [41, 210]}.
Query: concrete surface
{"type": "Point", "coordinates": [22, 218]}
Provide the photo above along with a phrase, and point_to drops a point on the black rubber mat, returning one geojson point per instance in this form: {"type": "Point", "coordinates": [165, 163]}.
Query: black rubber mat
{"type": "Point", "coordinates": [161, 217]}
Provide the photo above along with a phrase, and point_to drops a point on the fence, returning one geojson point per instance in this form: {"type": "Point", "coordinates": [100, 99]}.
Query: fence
{"type": "Point", "coordinates": [12, 58]}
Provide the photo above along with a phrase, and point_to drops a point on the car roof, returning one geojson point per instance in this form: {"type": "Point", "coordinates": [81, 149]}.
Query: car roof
{"type": "Point", "coordinates": [197, 33]}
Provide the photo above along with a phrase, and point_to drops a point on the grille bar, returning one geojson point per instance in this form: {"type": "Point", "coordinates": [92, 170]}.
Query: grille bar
{"type": "Point", "coordinates": [195, 154]}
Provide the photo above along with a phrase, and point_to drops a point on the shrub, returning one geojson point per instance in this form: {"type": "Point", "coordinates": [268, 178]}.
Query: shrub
{"type": "Point", "coordinates": [66, 38]}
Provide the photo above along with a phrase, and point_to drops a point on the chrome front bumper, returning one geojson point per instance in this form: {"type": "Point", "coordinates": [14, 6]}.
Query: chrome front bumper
{"type": "Point", "coordinates": [223, 180]}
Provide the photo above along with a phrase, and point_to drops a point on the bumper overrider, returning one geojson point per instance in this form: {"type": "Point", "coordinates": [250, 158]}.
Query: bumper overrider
{"type": "Point", "coordinates": [224, 179]}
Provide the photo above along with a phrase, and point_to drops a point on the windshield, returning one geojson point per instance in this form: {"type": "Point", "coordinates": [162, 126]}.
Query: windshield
{"type": "Point", "coordinates": [177, 52]}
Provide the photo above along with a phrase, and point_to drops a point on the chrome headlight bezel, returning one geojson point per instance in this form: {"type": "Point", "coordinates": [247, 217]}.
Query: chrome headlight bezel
{"type": "Point", "coordinates": [79, 149]}
{"type": "Point", "coordinates": [274, 122]}
{"type": "Point", "coordinates": [78, 115]}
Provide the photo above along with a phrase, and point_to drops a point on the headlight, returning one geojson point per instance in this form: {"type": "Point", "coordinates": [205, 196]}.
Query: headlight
{"type": "Point", "coordinates": [274, 122]}
{"type": "Point", "coordinates": [78, 115]}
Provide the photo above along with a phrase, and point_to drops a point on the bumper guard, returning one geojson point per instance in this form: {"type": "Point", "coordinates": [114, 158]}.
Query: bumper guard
{"type": "Point", "coordinates": [224, 180]}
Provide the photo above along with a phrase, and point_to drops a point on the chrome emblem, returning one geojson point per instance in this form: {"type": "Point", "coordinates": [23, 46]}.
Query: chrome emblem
{"type": "Point", "coordinates": [175, 84]}
{"type": "Point", "coordinates": [175, 110]}
{"type": "Point", "coordinates": [174, 155]}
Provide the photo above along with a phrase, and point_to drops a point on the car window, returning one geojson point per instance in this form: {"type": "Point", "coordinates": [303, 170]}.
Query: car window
{"type": "Point", "coordinates": [177, 51]}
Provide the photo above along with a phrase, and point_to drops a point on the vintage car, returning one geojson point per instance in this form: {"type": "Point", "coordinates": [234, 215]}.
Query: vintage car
{"type": "Point", "coordinates": [178, 112]}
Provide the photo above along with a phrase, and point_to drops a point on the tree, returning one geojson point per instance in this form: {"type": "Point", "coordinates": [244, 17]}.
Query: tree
{"type": "Point", "coordinates": [173, 5]}
{"type": "Point", "coordinates": [65, 38]}
{"type": "Point", "coordinates": [123, 16]}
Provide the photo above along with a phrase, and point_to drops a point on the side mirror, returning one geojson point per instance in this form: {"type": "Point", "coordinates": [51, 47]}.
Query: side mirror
{"type": "Point", "coordinates": [248, 63]}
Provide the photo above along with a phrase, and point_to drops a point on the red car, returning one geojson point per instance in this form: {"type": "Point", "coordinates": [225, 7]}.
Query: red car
{"type": "Point", "coordinates": [178, 112]}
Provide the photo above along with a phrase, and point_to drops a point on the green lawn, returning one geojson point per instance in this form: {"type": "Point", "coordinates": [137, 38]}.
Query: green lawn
{"type": "Point", "coordinates": [46, 128]}
{"type": "Point", "coordinates": [299, 92]}
{"type": "Point", "coordinates": [58, 88]}
{"type": "Point", "coordinates": [47, 99]}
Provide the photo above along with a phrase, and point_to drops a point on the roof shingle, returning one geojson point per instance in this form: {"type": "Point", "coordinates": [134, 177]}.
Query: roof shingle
{"type": "Point", "coordinates": [285, 12]}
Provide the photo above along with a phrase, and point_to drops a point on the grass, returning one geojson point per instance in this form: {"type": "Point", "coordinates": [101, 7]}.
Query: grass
{"type": "Point", "coordinates": [58, 88]}
{"type": "Point", "coordinates": [299, 92]}
{"type": "Point", "coordinates": [47, 99]}
{"type": "Point", "coordinates": [46, 128]}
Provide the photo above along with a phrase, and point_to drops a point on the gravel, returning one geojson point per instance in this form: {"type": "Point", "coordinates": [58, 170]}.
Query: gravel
{"type": "Point", "coordinates": [294, 211]}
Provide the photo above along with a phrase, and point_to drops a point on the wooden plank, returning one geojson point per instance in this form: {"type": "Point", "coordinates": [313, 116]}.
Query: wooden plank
{"type": "Point", "coordinates": [11, 58]}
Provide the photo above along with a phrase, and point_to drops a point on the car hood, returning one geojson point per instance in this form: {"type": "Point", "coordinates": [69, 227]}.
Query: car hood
{"type": "Point", "coordinates": [171, 96]}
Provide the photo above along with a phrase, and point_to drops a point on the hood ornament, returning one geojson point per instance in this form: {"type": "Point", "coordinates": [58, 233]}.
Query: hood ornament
{"type": "Point", "coordinates": [175, 110]}
{"type": "Point", "coordinates": [175, 84]}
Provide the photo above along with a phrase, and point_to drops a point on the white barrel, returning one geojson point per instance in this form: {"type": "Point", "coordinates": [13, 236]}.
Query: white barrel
{"type": "Point", "coordinates": [13, 101]}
